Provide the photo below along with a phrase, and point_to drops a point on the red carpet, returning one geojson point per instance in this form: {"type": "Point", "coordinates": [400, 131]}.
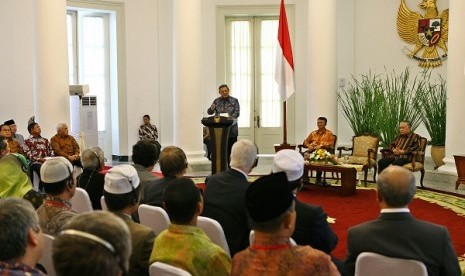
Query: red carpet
{"type": "Point", "coordinates": [352, 210]}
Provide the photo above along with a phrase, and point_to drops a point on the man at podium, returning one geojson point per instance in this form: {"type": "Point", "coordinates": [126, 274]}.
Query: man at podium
{"type": "Point", "coordinates": [229, 105]}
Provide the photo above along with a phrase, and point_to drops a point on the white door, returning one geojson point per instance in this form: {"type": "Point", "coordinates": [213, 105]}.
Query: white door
{"type": "Point", "coordinates": [250, 62]}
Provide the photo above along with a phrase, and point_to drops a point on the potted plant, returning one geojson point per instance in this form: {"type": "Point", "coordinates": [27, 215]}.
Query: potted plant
{"type": "Point", "coordinates": [431, 103]}
{"type": "Point", "coordinates": [376, 104]}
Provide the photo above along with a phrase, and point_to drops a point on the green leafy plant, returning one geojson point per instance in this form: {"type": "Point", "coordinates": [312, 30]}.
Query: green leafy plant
{"type": "Point", "coordinates": [398, 105]}
{"type": "Point", "coordinates": [431, 103]}
{"type": "Point", "coordinates": [377, 103]}
{"type": "Point", "coordinates": [360, 103]}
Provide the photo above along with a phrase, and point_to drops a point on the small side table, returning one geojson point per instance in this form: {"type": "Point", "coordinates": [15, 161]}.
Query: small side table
{"type": "Point", "coordinates": [460, 165]}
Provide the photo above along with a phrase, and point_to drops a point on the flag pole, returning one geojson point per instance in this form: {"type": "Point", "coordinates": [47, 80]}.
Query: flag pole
{"type": "Point", "coordinates": [284, 125]}
{"type": "Point", "coordinates": [284, 73]}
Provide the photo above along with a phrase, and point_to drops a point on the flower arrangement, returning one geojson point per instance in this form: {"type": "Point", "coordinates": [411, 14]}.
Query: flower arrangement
{"type": "Point", "coordinates": [321, 155]}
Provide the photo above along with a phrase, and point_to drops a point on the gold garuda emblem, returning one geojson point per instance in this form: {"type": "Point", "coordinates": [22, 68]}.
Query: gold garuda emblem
{"type": "Point", "coordinates": [427, 32]}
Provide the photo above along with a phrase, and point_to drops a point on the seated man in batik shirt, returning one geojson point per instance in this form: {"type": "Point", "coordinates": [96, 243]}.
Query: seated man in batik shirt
{"type": "Point", "coordinates": [402, 146]}
{"type": "Point", "coordinates": [271, 206]}
{"type": "Point", "coordinates": [38, 148]}
{"type": "Point", "coordinates": [183, 244]}
{"type": "Point", "coordinates": [322, 138]}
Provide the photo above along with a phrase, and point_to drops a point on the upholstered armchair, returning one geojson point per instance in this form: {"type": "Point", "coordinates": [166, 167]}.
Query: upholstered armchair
{"type": "Point", "coordinates": [364, 151]}
{"type": "Point", "coordinates": [417, 159]}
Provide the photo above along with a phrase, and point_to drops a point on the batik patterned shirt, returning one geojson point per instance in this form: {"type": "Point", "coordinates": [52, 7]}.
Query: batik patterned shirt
{"type": "Point", "coordinates": [148, 132]}
{"type": "Point", "coordinates": [320, 138]}
{"type": "Point", "coordinates": [15, 147]}
{"type": "Point", "coordinates": [276, 256]}
{"type": "Point", "coordinates": [38, 147]}
{"type": "Point", "coordinates": [228, 105]}
{"type": "Point", "coordinates": [189, 248]}
{"type": "Point", "coordinates": [64, 145]}
{"type": "Point", "coordinates": [408, 142]}
{"type": "Point", "coordinates": [19, 138]}
{"type": "Point", "coordinates": [18, 269]}
{"type": "Point", "coordinates": [54, 214]}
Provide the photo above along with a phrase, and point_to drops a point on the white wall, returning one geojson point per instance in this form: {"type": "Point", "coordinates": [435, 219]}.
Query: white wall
{"type": "Point", "coordinates": [366, 39]}
{"type": "Point", "coordinates": [16, 62]}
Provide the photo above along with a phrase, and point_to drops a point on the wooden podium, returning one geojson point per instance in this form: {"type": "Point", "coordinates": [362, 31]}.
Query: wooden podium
{"type": "Point", "coordinates": [219, 132]}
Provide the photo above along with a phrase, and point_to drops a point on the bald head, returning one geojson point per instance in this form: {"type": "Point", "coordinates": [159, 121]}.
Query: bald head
{"type": "Point", "coordinates": [396, 186]}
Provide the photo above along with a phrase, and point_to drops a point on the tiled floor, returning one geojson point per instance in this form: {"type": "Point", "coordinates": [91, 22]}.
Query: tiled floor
{"type": "Point", "coordinates": [433, 179]}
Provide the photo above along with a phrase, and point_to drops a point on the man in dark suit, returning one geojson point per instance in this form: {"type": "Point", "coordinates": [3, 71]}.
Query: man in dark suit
{"type": "Point", "coordinates": [396, 233]}
{"type": "Point", "coordinates": [225, 196]}
{"type": "Point", "coordinates": [173, 164]}
{"type": "Point", "coordinates": [311, 226]}
{"type": "Point", "coordinates": [122, 193]}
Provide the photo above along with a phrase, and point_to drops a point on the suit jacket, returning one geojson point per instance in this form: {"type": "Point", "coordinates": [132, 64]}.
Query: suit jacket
{"type": "Point", "coordinates": [224, 201]}
{"type": "Point", "coordinates": [400, 235]}
{"type": "Point", "coordinates": [153, 191]}
{"type": "Point", "coordinates": [312, 228]}
{"type": "Point", "coordinates": [142, 239]}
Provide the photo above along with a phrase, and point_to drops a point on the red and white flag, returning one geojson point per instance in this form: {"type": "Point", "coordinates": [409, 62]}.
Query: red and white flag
{"type": "Point", "coordinates": [284, 71]}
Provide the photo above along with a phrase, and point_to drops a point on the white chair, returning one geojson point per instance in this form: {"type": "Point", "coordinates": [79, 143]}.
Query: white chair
{"type": "Point", "coordinates": [252, 238]}
{"type": "Point", "coordinates": [81, 201]}
{"type": "Point", "coordinates": [46, 260]}
{"type": "Point", "coordinates": [103, 204]}
{"type": "Point", "coordinates": [369, 263]}
{"type": "Point", "coordinates": [154, 217]}
{"type": "Point", "coordinates": [214, 231]}
{"type": "Point", "coordinates": [35, 181]}
{"type": "Point", "coordinates": [162, 269]}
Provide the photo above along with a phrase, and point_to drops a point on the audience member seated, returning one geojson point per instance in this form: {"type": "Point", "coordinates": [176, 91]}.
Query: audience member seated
{"type": "Point", "coordinates": [145, 155]}
{"type": "Point", "coordinates": [321, 138]}
{"type": "Point", "coordinates": [65, 145]}
{"type": "Point", "coordinates": [183, 244]}
{"type": "Point", "coordinates": [225, 193]}
{"type": "Point", "coordinates": [14, 176]}
{"type": "Point", "coordinates": [21, 238]}
{"type": "Point", "coordinates": [173, 164]}
{"type": "Point", "coordinates": [14, 135]}
{"type": "Point", "coordinates": [122, 195]}
{"type": "Point", "coordinates": [147, 131]}
{"type": "Point", "coordinates": [311, 226]}
{"type": "Point", "coordinates": [93, 243]}
{"type": "Point", "coordinates": [59, 185]}
{"type": "Point", "coordinates": [38, 148]}
{"type": "Point", "coordinates": [271, 206]}
{"type": "Point", "coordinates": [396, 233]}
{"type": "Point", "coordinates": [91, 180]}
{"type": "Point", "coordinates": [14, 145]}
{"type": "Point", "coordinates": [4, 147]}
{"type": "Point", "coordinates": [401, 148]}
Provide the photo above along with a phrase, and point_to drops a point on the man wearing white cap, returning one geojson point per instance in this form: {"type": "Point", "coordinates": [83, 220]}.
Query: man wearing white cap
{"type": "Point", "coordinates": [311, 227]}
{"type": "Point", "coordinates": [122, 195]}
{"type": "Point", "coordinates": [59, 185]}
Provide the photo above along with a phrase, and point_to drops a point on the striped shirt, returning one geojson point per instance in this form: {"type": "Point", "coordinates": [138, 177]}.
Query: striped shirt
{"type": "Point", "coordinates": [409, 142]}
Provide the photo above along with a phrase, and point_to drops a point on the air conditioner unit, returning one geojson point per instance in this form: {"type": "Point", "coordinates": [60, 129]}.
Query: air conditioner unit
{"type": "Point", "coordinates": [78, 89]}
{"type": "Point", "coordinates": [84, 124]}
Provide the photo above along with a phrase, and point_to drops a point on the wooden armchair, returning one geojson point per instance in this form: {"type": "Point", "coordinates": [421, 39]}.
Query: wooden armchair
{"type": "Point", "coordinates": [364, 151]}
{"type": "Point", "coordinates": [417, 159]}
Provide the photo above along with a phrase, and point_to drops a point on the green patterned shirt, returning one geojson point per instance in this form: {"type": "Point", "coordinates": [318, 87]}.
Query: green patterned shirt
{"type": "Point", "coordinates": [189, 248]}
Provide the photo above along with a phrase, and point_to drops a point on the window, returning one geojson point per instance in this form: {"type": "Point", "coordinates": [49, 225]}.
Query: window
{"type": "Point", "coordinates": [88, 55]}
{"type": "Point", "coordinates": [251, 52]}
